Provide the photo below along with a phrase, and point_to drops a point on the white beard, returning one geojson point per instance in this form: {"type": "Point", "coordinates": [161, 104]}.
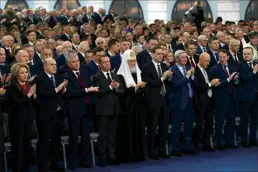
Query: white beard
{"type": "Point", "coordinates": [133, 70]}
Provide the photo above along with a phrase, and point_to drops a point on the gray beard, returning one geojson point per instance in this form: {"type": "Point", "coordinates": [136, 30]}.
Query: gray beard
{"type": "Point", "coordinates": [133, 70]}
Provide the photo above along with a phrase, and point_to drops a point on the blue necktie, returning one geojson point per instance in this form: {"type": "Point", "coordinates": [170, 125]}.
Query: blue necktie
{"type": "Point", "coordinates": [53, 81]}
{"type": "Point", "coordinates": [190, 91]}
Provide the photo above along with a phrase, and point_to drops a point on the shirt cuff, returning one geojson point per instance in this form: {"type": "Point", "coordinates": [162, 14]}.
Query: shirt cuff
{"type": "Point", "coordinates": [86, 90]}
{"type": "Point", "coordinates": [209, 84]}
{"type": "Point", "coordinates": [110, 87]}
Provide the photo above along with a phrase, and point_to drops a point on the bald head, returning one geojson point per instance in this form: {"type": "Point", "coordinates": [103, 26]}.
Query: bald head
{"type": "Point", "coordinates": [204, 60]}
{"type": "Point", "coordinates": [50, 66]}
{"type": "Point", "coordinates": [234, 45]}
{"type": "Point", "coordinates": [22, 56]}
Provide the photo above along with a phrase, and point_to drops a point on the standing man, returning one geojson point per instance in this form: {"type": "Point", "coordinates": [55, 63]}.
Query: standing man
{"type": "Point", "coordinates": [197, 14]}
{"type": "Point", "coordinates": [107, 109]}
{"type": "Point", "coordinates": [203, 89]}
{"type": "Point", "coordinates": [248, 104]}
{"type": "Point", "coordinates": [225, 100]}
{"type": "Point", "coordinates": [50, 87]}
{"type": "Point", "coordinates": [76, 110]}
{"type": "Point", "coordinates": [156, 74]}
{"type": "Point", "coordinates": [182, 104]}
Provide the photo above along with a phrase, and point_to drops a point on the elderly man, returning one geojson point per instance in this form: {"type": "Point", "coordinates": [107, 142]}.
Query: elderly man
{"type": "Point", "coordinates": [7, 43]}
{"type": "Point", "coordinates": [67, 46]}
{"type": "Point", "coordinates": [202, 44]}
{"type": "Point", "coordinates": [76, 110]}
{"type": "Point", "coordinates": [181, 101]}
{"type": "Point", "coordinates": [203, 87]}
{"type": "Point", "coordinates": [235, 57]}
{"type": "Point", "coordinates": [253, 37]}
{"type": "Point", "coordinates": [132, 120]}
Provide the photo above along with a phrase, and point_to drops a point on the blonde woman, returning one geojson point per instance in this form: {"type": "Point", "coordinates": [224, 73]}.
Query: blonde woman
{"type": "Point", "coordinates": [21, 96]}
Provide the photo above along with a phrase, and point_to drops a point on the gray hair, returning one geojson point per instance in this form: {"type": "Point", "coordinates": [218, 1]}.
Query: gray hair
{"type": "Point", "coordinates": [69, 55]}
{"type": "Point", "coordinates": [178, 53]}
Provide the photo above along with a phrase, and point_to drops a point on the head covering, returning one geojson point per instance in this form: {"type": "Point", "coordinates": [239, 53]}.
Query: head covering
{"type": "Point", "coordinates": [124, 69]}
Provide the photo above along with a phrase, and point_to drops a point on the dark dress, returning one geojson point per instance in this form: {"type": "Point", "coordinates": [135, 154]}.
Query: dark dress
{"type": "Point", "coordinates": [20, 125]}
{"type": "Point", "coordinates": [131, 127]}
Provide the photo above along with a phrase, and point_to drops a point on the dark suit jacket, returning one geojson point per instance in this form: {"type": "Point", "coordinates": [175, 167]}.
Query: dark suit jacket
{"type": "Point", "coordinates": [21, 105]}
{"type": "Point", "coordinates": [5, 69]}
{"type": "Point", "coordinates": [115, 62]}
{"type": "Point", "coordinates": [63, 69]}
{"type": "Point", "coordinates": [200, 51]}
{"type": "Point", "coordinates": [108, 101]}
{"type": "Point", "coordinates": [213, 60]}
{"type": "Point", "coordinates": [200, 86]}
{"type": "Point", "coordinates": [143, 58]}
{"type": "Point", "coordinates": [65, 38]}
{"type": "Point", "coordinates": [224, 47]}
{"type": "Point", "coordinates": [221, 92]}
{"type": "Point", "coordinates": [179, 88]}
{"type": "Point", "coordinates": [248, 81]}
{"type": "Point", "coordinates": [92, 68]}
{"type": "Point", "coordinates": [196, 59]}
{"type": "Point", "coordinates": [180, 46]}
{"type": "Point", "coordinates": [60, 60]}
{"type": "Point", "coordinates": [9, 57]}
{"type": "Point", "coordinates": [49, 99]}
{"type": "Point", "coordinates": [154, 83]}
{"type": "Point", "coordinates": [231, 60]}
{"type": "Point", "coordinates": [75, 94]}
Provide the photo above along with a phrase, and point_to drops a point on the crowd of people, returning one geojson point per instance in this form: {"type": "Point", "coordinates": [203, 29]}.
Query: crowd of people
{"type": "Point", "coordinates": [73, 72]}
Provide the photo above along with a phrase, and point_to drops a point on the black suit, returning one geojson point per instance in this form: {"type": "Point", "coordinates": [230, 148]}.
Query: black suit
{"type": "Point", "coordinates": [157, 107]}
{"type": "Point", "coordinates": [77, 114]}
{"type": "Point", "coordinates": [64, 37]}
{"type": "Point", "coordinates": [107, 108]}
{"type": "Point", "coordinates": [2, 99]}
{"type": "Point", "coordinates": [233, 61]}
{"type": "Point", "coordinates": [180, 47]}
{"type": "Point", "coordinates": [143, 58]}
{"type": "Point", "coordinates": [204, 108]}
{"type": "Point", "coordinates": [20, 125]}
{"type": "Point", "coordinates": [48, 119]}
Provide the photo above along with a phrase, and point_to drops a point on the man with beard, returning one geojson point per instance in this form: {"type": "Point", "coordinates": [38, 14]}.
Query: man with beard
{"type": "Point", "coordinates": [130, 139]}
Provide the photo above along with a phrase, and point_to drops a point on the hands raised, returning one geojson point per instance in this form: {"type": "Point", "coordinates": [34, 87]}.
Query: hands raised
{"type": "Point", "coordinates": [62, 86]}
{"type": "Point", "coordinates": [140, 85]}
{"type": "Point", "coordinates": [167, 74]}
{"type": "Point", "coordinates": [114, 84]}
{"type": "Point", "coordinates": [93, 89]}
{"type": "Point", "coordinates": [32, 90]}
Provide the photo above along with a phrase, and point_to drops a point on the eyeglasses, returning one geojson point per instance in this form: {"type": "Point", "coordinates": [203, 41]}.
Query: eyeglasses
{"type": "Point", "coordinates": [100, 43]}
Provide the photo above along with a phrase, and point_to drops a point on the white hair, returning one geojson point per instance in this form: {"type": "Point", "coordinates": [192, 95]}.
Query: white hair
{"type": "Point", "coordinates": [178, 53]}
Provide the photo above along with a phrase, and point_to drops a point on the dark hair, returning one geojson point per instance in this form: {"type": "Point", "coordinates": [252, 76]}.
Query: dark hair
{"type": "Point", "coordinates": [101, 58]}
{"type": "Point", "coordinates": [190, 42]}
{"type": "Point", "coordinates": [112, 42]}
{"type": "Point", "coordinates": [223, 51]}
{"type": "Point", "coordinates": [153, 50]}
{"type": "Point", "coordinates": [96, 50]}
{"type": "Point", "coordinates": [212, 38]}
{"type": "Point", "coordinates": [29, 31]}
{"type": "Point", "coordinates": [149, 39]}
{"type": "Point", "coordinates": [27, 45]}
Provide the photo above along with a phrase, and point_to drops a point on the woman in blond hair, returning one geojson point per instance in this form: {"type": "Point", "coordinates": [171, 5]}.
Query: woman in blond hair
{"type": "Point", "coordinates": [21, 96]}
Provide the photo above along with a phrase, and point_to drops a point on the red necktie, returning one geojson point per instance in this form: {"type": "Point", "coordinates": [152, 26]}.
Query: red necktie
{"type": "Point", "coordinates": [82, 84]}
{"type": "Point", "coordinates": [191, 61]}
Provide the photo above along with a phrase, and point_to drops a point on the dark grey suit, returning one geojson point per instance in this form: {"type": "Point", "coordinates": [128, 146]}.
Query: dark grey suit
{"type": "Point", "coordinates": [107, 108]}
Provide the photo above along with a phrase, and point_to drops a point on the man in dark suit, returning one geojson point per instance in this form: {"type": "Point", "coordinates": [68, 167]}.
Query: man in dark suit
{"type": "Point", "coordinates": [2, 99]}
{"type": "Point", "coordinates": [111, 15]}
{"type": "Point", "coordinates": [76, 110]}
{"type": "Point", "coordinates": [203, 100]}
{"type": "Point", "coordinates": [67, 46]}
{"type": "Point", "coordinates": [192, 57]}
{"type": "Point", "coordinates": [93, 66]}
{"type": "Point", "coordinates": [182, 104]}
{"type": "Point", "coordinates": [50, 87]}
{"type": "Point", "coordinates": [202, 44]}
{"type": "Point", "coordinates": [66, 33]}
{"type": "Point", "coordinates": [248, 105]}
{"type": "Point", "coordinates": [117, 58]}
{"type": "Point", "coordinates": [107, 109]}
{"type": "Point", "coordinates": [185, 39]}
{"type": "Point", "coordinates": [225, 99]}
{"type": "Point", "coordinates": [235, 57]}
{"type": "Point", "coordinates": [213, 51]}
{"type": "Point", "coordinates": [7, 43]}
{"type": "Point", "coordinates": [156, 75]}
{"type": "Point", "coordinates": [145, 56]}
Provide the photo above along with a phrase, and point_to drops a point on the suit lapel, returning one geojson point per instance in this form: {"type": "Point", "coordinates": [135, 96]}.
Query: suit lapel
{"type": "Point", "coordinates": [153, 70]}
{"type": "Point", "coordinates": [178, 72]}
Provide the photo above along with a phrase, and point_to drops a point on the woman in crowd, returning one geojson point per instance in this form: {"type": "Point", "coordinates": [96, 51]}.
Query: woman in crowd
{"type": "Point", "coordinates": [21, 96]}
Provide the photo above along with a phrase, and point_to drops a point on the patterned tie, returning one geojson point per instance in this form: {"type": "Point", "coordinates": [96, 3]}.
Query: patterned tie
{"type": "Point", "coordinates": [82, 84]}
{"type": "Point", "coordinates": [52, 78]}
{"type": "Point", "coordinates": [190, 91]}
{"type": "Point", "coordinates": [162, 89]}
{"type": "Point", "coordinates": [228, 75]}
{"type": "Point", "coordinates": [191, 61]}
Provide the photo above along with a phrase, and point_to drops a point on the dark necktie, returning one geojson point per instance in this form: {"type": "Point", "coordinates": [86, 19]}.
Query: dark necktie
{"type": "Point", "coordinates": [204, 49]}
{"type": "Point", "coordinates": [190, 91]}
{"type": "Point", "coordinates": [250, 65]}
{"type": "Point", "coordinates": [217, 56]}
{"type": "Point", "coordinates": [52, 78]}
{"type": "Point", "coordinates": [82, 84]}
{"type": "Point", "coordinates": [162, 90]}
{"type": "Point", "coordinates": [108, 78]}
{"type": "Point", "coordinates": [228, 75]}
{"type": "Point", "coordinates": [191, 61]}
{"type": "Point", "coordinates": [235, 58]}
